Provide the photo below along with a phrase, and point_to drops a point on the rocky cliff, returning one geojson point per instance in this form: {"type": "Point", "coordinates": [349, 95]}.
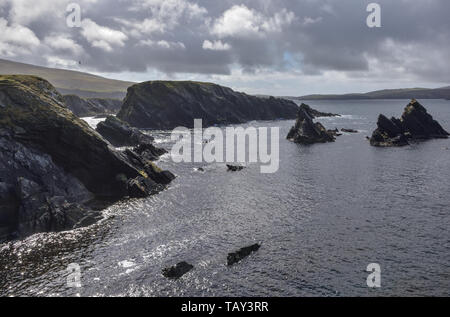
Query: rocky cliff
{"type": "Point", "coordinates": [53, 165]}
{"type": "Point", "coordinates": [169, 104]}
{"type": "Point", "coordinates": [89, 107]}
{"type": "Point", "coordinates": [415, 124]}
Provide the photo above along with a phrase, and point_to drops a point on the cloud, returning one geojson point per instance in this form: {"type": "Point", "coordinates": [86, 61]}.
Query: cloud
{"type": "Point", "coordinates": [62, 42]}
{"type": "Point", "coordinates": [216, 46]}
{"type": "Point", "coordinates": [102, 37]}
{"type": "Point", "coordinates": [304, 41]}
{"type": "Point", "coordinates": [240, 21]}
{"type": "Point", "coordinates": [16, 39]}
{"type": "Point", "coordinates": [163, 44]}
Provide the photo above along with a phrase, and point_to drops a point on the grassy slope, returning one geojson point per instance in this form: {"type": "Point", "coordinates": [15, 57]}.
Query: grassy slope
{"type": "Point", "coordinates": [70, 82]}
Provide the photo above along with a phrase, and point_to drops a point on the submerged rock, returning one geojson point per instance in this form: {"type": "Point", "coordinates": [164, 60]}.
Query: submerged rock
{"type": "Point", "coordinates": [349, 131]}
{"type": "Point", "coordinates": [306, 131]}
{"type": "Point", "coordinates": [53, 165]}
{"type": "Point", "coordinates": [414, 124]}
{"type": "Point", "coordinates": [316, 114]}
{"type": "Point", "coordinates": [238, 256]}
{"type": "Point", "coordinates": [171, 104]}
{"type": "Point", "coordinates": [177, 271]}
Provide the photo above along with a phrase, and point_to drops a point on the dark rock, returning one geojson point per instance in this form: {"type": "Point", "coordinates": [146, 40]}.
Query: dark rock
{"type": "Point", "coordinates": [170, 104]}
{"type": "Point", "coordinates": [234, 168]}
{"type": "Point", "coordinates": [236, 257]}
{"type": "Point", "coordinates": [415, 124]}
{"type": "Point", "coordinates": [82, 107]}
{"type": "Point", "coordinates": [306, 131]}
{"type": "Point", "coordinates": [119, 133]}
{"type": "Point", "coordinates": [349, 130]}
{"type": "Point", "coordinates": [316, 114]}
{"type": "Point", "coordinates": [149, 151]}
{"type": "Point", "coordinates": [334, 132]}
{"type": "Point", "coordinates": [177, 271]}
{"type": "Point", "coordinates": [52, 164]}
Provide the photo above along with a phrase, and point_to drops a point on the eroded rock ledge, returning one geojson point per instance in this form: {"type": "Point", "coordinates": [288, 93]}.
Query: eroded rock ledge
{"type": "Point", "coordinates": [53, 165]}
{"type": "Point", "coordinates": [415, 124]}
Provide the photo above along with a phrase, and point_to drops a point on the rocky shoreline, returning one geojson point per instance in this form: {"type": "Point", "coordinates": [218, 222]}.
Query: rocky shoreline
{"type": "Point", "coordinates": [56, 173]}
{"type": "Point", "coordinates": [53, 166]}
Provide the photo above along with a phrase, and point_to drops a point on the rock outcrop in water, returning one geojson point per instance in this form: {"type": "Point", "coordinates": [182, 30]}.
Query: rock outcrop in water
{"type": "Point", "coordinates": [234, 168]}
{"type": "Point", "coordinates": [90, 107]}
{"type": "Point", "coordinates": [177, 271]}
{"type": "Point", "coordinates": [170, 104]}
{"type": "Point", "coordinates": [53, 165]}
{"type": "Point", "coordinates": [316, 114]}
{"type": "Point", "coordinates": [238, 256]}
{"type": "Point", "coordinates": [415, 124]}
{"type": "Point", "coordinates": [306, 131]}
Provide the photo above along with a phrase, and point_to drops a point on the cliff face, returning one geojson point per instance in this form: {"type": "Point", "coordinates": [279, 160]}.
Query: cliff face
{"type": "Point", "coordinates": [166, 105]}
{"type": "Point", "coordinates": [415, 124]}
{"type": "Point", "coordinates": [82, 107]}
{"type": "Point", "coordinates": [52, 163]}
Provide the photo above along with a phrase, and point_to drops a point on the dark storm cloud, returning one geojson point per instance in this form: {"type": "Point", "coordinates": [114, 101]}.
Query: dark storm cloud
{"type": "Point", "coordinates": [213, 37]}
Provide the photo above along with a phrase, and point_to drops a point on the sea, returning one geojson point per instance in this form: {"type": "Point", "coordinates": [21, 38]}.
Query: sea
{"type": "Point", "coordinates": [329, 212]}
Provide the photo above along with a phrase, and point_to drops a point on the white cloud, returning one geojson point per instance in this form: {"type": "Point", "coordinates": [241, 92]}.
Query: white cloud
{"type": "Point", "coordinates": [162, 44]}
{"type": "Point", "coordinates": [101, 36]}
{"type": "Point", "coordinates": [308, 20]}
{"type": "Point", "coordinates": [240, 21]}
{"type": "Point", "coordinates": [165, 15]}
{"type": "Point", "coordinates": [216, 46]}
{"type": "Point", "coordinates": [62, 42]}
{"type": "Point", "coordinates": [16, 39]}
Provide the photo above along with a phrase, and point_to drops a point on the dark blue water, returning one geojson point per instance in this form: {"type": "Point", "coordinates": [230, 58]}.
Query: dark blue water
{"type": "Point", "coordinates": [329, 211]}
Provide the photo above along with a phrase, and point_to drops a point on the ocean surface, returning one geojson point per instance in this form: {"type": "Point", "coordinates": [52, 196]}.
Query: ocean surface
{"type": "Point", "coordinates": [329, 211]}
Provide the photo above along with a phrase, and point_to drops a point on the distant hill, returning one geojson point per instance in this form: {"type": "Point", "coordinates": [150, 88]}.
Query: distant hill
{"type": "Point", "coordinates": [70, 82]}
{"type": "Point", "coordinates": [409, 93]}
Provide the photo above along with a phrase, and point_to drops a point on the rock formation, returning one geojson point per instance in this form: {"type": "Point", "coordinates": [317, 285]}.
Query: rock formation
{"type": "Point", "coordinates": [90, 107]}
{"type": "Point", "coordinates": [238, 256]}
{"type": "Point", "coordinates": [119, 133]}
{"type": "Point", "coordinates": [177, 271]}
{"type": "Point", "coordinates": [306, 131]}
{"type": "Point", "coordinates": [415, 124]}
{"type": "Point", "coordinates": [53, 165]}
{"type": "Point", "coordinates": [316, 114]}
{"type": "Point", "coordinates": [234, 168]}
{"type": "Point", "coordinates": [349, 130]}
{"type": "Point", "coordinates": [167, 105]}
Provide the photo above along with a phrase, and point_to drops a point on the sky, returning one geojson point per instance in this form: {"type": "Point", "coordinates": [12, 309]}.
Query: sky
{"type": "Point", "coordinates": [276, 47]}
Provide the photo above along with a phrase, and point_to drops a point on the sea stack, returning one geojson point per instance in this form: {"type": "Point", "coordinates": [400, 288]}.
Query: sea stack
{"type": "Point", "coordinates": [415, 124]}
{"type": "Point", "coordinates": [170, 104]}
{"type": "Point", "coordinates": [306, 131]}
